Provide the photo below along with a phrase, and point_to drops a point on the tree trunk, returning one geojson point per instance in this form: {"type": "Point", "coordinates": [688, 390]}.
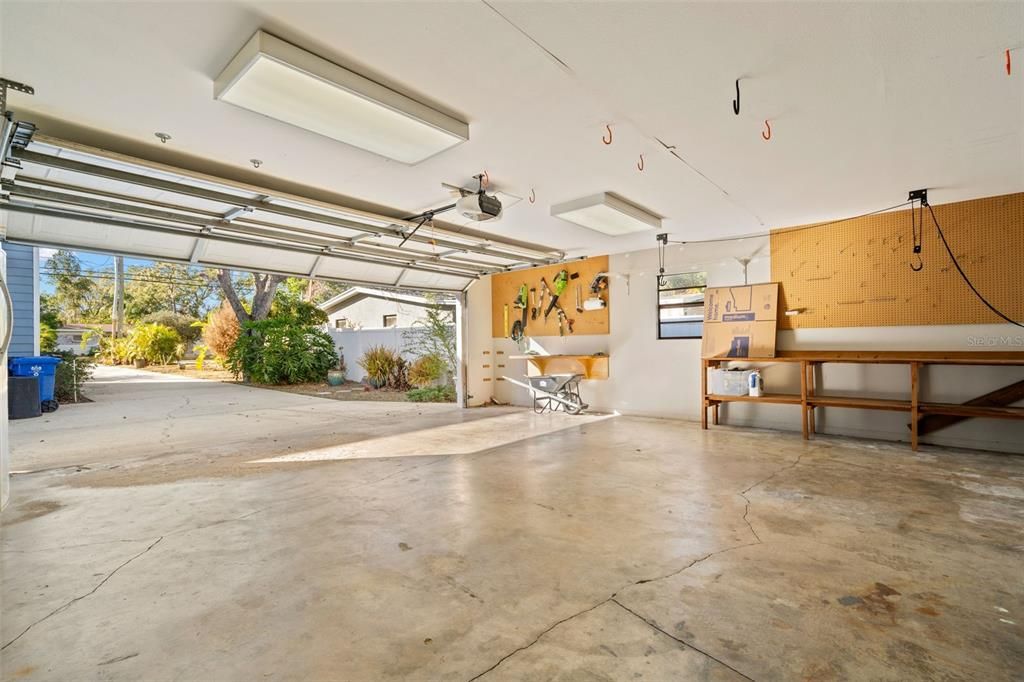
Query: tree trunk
{"type": "Point", "coordinates": [262, 297]}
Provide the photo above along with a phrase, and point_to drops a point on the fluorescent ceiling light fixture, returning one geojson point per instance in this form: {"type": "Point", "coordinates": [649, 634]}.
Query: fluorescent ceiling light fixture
{"type": "Point", "coordinates": [279, 80]}
{"type": "Point", "coordinates": [607, 213]}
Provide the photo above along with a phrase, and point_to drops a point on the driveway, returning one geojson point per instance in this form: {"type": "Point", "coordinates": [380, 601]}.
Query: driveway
{"type": "Point", "coordinates": [144, 427]}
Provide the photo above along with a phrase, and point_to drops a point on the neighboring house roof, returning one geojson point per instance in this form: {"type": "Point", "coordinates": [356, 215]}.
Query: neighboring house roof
{"type": "Point", "coordinates": [347, 298]}
{"type": "Point", "coordinates": [74, 327]}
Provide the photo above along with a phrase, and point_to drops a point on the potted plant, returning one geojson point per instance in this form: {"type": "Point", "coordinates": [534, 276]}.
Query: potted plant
{"type": "Point", "coordinates": [336, 376]}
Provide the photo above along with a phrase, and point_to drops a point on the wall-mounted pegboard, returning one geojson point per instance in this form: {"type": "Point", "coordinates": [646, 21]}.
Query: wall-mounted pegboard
{"type": "Point", "coordinates": [858, 273]}
{"type": "Point", "coordinates": [505, 289]}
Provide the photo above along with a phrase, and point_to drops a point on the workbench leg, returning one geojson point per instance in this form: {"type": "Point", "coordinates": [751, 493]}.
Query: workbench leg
{"type": "Point", "coordinates": [810, 393]}
{"type": "Point", "coordinates": [803, 398]}
{"type": "Point", "coordinates": [915, 389]}
{"type": "Point", "coordinates": [703, 394]}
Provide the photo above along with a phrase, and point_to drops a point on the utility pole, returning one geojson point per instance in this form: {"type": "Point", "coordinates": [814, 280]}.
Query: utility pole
{"type": "Point", "coordinates": [118, 314]}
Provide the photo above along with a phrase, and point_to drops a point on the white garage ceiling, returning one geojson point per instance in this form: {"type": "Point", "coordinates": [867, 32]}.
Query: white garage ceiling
{"type": "Point", "coordinates": [865, 100]}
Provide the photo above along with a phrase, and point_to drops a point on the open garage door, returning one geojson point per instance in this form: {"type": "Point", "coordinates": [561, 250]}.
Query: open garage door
{"type": "Point", "coordinates": [57, 193]}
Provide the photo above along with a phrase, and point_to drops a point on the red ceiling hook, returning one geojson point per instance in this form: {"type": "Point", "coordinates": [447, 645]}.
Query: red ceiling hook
{"type": "Point", "coordinates": [607, 139]}
{"type": "Point", "coordinates": [533, 197]}
{"type": "Point", "coordinates": [1007, 62]}
{"type": "Point", "coordinates": [767, 134]}
{"type": "Point", "coordinates": [640, 165]}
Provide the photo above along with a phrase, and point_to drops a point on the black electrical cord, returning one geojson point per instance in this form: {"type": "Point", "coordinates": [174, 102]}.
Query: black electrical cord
{"type": "Point", "coordinates": [964, 274]}
{"type": "Point", "coordinates": [814, 226]}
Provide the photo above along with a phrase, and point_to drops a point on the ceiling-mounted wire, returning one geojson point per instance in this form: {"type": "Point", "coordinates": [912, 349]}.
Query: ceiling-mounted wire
{"type": "Point", "coordinates": [963, 274]}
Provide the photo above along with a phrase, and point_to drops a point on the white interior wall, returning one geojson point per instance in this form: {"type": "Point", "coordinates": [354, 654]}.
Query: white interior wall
{"type": "Point", "coordinates": [662, 377]}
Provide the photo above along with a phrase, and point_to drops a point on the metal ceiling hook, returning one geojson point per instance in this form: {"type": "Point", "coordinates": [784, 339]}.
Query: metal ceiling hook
{"type": "Point", "coordinates": [736, 102]}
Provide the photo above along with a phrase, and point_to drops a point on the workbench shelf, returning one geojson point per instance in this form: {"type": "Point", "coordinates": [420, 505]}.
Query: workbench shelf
{"type": "Point", "coordinates": [590, 366]}
{"type": "Point", "coordinates": [991, 406]}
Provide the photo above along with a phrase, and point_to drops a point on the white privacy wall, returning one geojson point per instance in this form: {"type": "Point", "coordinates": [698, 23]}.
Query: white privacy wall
{"type": "Point", "coordinates": [352, 343]}
{"type": "Point", "coordinates": [661, 378]}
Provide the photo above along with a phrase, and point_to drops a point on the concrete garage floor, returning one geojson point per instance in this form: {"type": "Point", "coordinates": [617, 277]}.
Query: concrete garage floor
{"type": "Point", "coordinates": [405, 542]}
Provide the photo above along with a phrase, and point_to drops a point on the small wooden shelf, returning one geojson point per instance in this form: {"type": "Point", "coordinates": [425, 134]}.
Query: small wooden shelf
{"type": "Point", "coordinates": [862, 403]}
{"type": "Point", "coordinates": [780, 398]}
{"type": "Point", "coordinates": [916, 361]}
{"type": "Point", "coordinates": [590, 366]}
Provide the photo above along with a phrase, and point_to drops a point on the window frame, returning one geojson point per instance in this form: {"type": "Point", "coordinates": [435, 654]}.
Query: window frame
{"type": "Point", "coordinates": [394, 318]}
{"type": "Point", "coordinates": [669, 306]}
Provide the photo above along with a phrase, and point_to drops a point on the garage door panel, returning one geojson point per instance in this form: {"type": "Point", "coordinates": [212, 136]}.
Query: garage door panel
{"type": "Point", "coordinates": [67, 194]}
{"type": "Point", "coordinates": [248, 257]}
{"type": "Point", "coordinates": [90, 236]}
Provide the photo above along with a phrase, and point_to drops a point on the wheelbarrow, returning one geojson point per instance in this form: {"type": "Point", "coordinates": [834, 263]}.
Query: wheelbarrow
{"type": "Point", "coordinates": [554, 391]}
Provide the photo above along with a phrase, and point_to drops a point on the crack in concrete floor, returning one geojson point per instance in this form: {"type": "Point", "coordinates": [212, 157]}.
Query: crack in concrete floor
{"type": "Point", "coordinates": [69, 604]}
{"type": "Point", "coordinates": [612, 597]}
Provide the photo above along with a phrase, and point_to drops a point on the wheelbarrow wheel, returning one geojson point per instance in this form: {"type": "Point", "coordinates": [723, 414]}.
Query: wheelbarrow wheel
{"type": "Point", "coordinates": [50, 405]}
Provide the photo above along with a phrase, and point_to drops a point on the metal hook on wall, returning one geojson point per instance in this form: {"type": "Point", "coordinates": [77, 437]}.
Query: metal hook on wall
{"type": "Point", "coordinates": [767, 133]}
{"type": "Point", "coordinates": [736, 102]}
{"type": "Point", "coordinates": [533, 197]}
{"type": "Point", "coordinates": [919, 266]}
{"type": "Point", "coordinates": [608, 138]}
{"type": "Point", "coordinates": [640, 164]}
{"type": "Point", "coordinates": [1007, 62]}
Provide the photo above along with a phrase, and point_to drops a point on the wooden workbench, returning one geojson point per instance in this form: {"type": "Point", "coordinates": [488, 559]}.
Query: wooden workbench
{"type": "Point", "coordinates": [808, 399]}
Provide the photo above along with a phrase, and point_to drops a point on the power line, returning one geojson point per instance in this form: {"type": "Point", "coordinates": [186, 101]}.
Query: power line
{"type": "Point", "coordinates": [152, 280]}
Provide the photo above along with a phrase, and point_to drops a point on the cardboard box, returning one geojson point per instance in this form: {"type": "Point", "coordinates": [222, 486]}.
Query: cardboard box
{"type": "Point", "coordinates": [740, 322]}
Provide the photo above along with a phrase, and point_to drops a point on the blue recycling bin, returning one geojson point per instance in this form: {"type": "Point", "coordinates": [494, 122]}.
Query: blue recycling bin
{"type": "Point", "coordinates": [42, 367]}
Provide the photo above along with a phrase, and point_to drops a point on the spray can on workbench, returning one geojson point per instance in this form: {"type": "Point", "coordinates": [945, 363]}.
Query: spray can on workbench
{"type": "Point", "coordinates": [755, 384]}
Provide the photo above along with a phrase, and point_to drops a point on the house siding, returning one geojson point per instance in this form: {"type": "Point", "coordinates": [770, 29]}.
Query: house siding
{"type": "Point", "coordinates": [23, 283]}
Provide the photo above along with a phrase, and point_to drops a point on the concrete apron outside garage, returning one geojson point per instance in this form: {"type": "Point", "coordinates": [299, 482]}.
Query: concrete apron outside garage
{"type": "Point", "coordinates": [398, 541]}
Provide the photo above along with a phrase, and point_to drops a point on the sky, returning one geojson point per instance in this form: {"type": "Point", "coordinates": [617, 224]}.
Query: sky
{"type": "Point", "coordinates": [90, 261]}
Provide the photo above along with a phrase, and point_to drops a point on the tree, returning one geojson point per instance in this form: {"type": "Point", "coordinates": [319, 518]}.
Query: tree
{"type": "Point", "coordinates": [264, 287]}
{"type": "Point", "coordinates": [180, 289]}
{"type": "Point", "coordinates": [71, 287]}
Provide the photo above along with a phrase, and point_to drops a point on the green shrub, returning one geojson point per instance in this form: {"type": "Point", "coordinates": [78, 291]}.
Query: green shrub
{"type": "Point", "coordinates": [154, 343]}
{"type": "Point", "coordinates": [183, 324]}
{"type": "Point", "coordinates": [281, 351]}
{"type": "Point", "coordinates": [434, 394]}
{"type": "Point", "coordinates": [427, 370]}
{"type": "Point", "coordinates": [74, 370]}
{"type": "Point", "coordinates": [298, 311]}
{"type": "Point", "coordinates": [47, 338]}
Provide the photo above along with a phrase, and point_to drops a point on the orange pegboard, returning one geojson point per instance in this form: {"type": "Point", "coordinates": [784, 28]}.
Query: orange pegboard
{"type": "Point", "coordinates": [858, 273]}
{"type": "Point", "coordinates": [505, 289]}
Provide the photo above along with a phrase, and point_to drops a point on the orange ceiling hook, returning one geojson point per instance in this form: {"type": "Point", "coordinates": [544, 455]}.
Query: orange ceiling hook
{"type": "Point", "coordinates": [1007, 62]}
{"type": "Point", "coordinates": [767, 132]}
{"type": "Point", "coordinates": [607, 139]}
{"type": "Point", "coordinates": [640, 164]}
{"type": "Point", "coordinates": [533, 197]}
